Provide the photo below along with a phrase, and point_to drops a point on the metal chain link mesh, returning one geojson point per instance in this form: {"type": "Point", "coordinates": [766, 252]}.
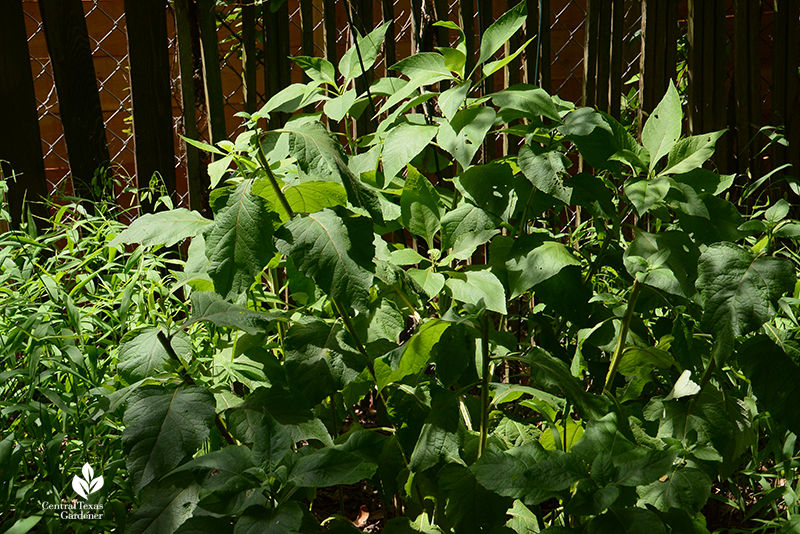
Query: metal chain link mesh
{"type": "Point", "coordinates": [106, 25]}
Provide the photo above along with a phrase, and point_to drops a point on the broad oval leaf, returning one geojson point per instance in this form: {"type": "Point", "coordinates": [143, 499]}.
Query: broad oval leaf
{"type": "Point", "coordinates": [208, 306]}
{"type": "Point", "coordinates": [420, 206]}
{"type": "Point", "coordinates": [143, 355]}
{"type": "Point", "coordinates": [663, 127]}
{"type": "Point", "coordinates": [478, 288]}
{"type": "Point", "coordinates": [403, 143]}
{"type": "Point", "coordinates": [163, 510]}
{"type": "Point", "coordinates": [739, 291]}
{"type": "Point", "coordinates": [163, 228]}
{"type": "Point", "coordinates": [336, 251]}
{"type": "Point", "coordinates": [162, 428]}
{"type": "Point", "coordinates": [239, 243]}
{"type": "Point", "coordinates": [501, 31]}
{"type": "Point", "coordinates": [330, 467]}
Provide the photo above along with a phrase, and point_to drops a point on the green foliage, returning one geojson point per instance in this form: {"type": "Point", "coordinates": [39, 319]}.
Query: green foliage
{"type": "Point", "coordinates": [402, 314]}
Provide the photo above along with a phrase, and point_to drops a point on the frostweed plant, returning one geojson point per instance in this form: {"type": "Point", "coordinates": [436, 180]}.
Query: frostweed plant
{"type": "Point", "coordinates": [522, 375]}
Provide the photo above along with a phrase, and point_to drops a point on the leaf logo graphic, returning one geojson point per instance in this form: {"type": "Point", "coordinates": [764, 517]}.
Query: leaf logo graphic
{"type": "Point", "coordinates": [88, 484]}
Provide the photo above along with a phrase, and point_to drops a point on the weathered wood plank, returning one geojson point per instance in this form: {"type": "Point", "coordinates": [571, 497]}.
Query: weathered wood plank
{"type": "Point", "coordinates": [389, 49]}
{"type": "Point", "coordinates": [546, 60]}
{"type": "Point", "coordinates": [785, 108]}
{"type": "Point", "coordinates": [146, 22]}
{"type": "Point", "coordinates": [329, 28]}
{"type": "Point", "coordinates": [196, 187]}
{"type": "Point", "coordinates": [249, 62]}
{"type": "Point", "coordinates": [20, 145]}
{"type": "Point", "coordinates": [593, 8]}
{"type": "Point", "coordinates": [603, 59]}
{"type": "Point", "coordinates": [747, 64]}
{"type": "Point", "coordinates": [617, 54]}
{"type": "Point", "coordinates": [485, 19]}
{"type": "Point", "coordinates": [76, 86]}
{"type": "Point", "coordinates": [696, 70]}
{"type": "Point", "coordinates": [215, 101]}
{"type": "Point", "coordinates": [466, 18]}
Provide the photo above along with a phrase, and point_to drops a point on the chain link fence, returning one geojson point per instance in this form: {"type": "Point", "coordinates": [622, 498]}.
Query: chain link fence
{"type": "Point", "coordinates": [106, 25]}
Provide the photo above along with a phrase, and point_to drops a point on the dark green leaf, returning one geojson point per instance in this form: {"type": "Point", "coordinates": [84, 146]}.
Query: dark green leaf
{"type": "Point", "coordinates": [239, 243]}
{"type": "Point", "coordinates": [208, 306]}
{"type": "Point", "coordinates": [284, 519]}
{"type": "Point", "coordinates": [626, 521]}
{"type": "Point", "coordinates": [420, 206]}
{"type": "Point", "coordinates": [687, 488]}
{"type": "Point", "coordinates": [144, 356]}
{"type": "Point", "coordinates": [470, 507]}
{"type": "Point", "coordinates": [403, 143]}
{"type": "Point", "coordinates": [330, 467]}
{"type": "Point", "coordinates": [544, 172]}
{"type": "Point", "coordinates": [490, 187]}
{"type": "Point", "coordinates": [501, 31]}
{"type": "Point", "coordinates": [163, 510]}
{"type": "Point", "coordinates": [337, 251]}
{"type": "Point", "coordinates": [318, 360]}
{"type": "Point", "coordinates": [740, 291]}
{"type": "Point", "coordinates": [464, 135]}
{"type": "Point", "coordinates": [163, 428]}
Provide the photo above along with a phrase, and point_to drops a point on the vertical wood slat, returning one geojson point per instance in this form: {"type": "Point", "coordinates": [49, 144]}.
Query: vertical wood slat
{"type": "Point", "coordinates": [307, 37]}
{"type": "Point", "coordinates": [249, 84]}
{"type": "Point", "coordinates": [785, 106]}
{"type": "Point", "coordinates": [276, 48]}
{"type": "Point", "coordinates": [78, 100]}
{"type": "Point", "coordinates": [512, 77]}
{"type": "Point", "coordinates": [188, 104]}
{"type": "Point", "coordinates": [466, 19]}
{"type": "Point", "coordinates": [146, 22]}
{"type": "Point", "coordinates": [416, 26]}
{"type": "Point", "coordinates": [546, 60]}
{"type": "Point", "coordinates": [329, 28]}
{"type": "Point", "coordinates": [604, 56]}
{"type": "Point", "coordinates": [389, 51]}
{"type": "Point", "coordinates": [485, 19]}
{"type": "Point", "coordinates": [657, 65]}
{"type": "Point", "coordinates": [593, 8]}
{"type": "Point", "coordinates": [20, 145]}
{"type": "Point", "coordinates": [747, 62]}
{"type": "Point", "coordinates": [531, 53]}
{"type": "Point", "coordinates": [363, 20]}
{"type": "Point", "coordinates": [215, 102]}
{"type": "Point", "coordinates": [695, 59]}
{"type": "Point", "coordinates": [719, 100]}
{"type": "Point", "coordinates": [617, 53]}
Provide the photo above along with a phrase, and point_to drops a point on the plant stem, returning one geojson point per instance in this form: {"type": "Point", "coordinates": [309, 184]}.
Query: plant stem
{"type": "Point", "coordinates": [484, 385]}
{"type": "Point", "coordinates": [262, 159]}
{"type": "Point", "coordinates": [623, 335]}
{"type": "Point", "coordinates": [164, 340]}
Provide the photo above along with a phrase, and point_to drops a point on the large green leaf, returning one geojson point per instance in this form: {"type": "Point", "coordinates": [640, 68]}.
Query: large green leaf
{"type": "Point", "coordinates": [305, 197]}
{"type": "Point", "coordinates": [663, 127]}
{"type": "Point", "coordinates": [530, 100]}
{"type": "Point", "coordinates": [523, 520]}
{"type": "Point", "coordinates": [644, 193]}
{"type": "Point", "coordinates": [490, 187]}
{"type": "Point", "coordinates": [164, 427]}
{"type": "Point", "coordinates": [414, 355]}
{"type": "Point", "coordinates": [528, 472]}
{"type": "Point", "coordinates": [271, 442]}
{"type": "Point", "coordinates": [420, 206]}
{"type": "Point", "coordinates": [208, 306]}
{"type": "Point", "coordinates": [143, 355]}
{"type": "Point", "coordinates": [163, 228]}
{"type": "Point", "coordinates": [239, 243]}
{"type": "Point", "coordinates": [426, 65]}
{"type": "Point", "coordinates": [289, 410]}
{"type": "Point", "coordinates": [284, 519]}
{"type": "Point", "coordinates": [451, 100]}
{"type": "Point", "coordinates": [478, 288]}
{"type": "Point", "coordinates": [335, 250]}
{"type": "Point", "coordinates": [403, 143]}
{"type": "Point", "coordinates": [442, 435]}
{"type": "Point", "coordinates": [163, 510]}
{"type": "Point", "coordinates": [687, 488]}
{"type": "Point", "coordinates": [318, 360]}
{"type": "Point", "coordinates": [222, 474]}
{"type": "Point", "coordinates": [464, 135]}
{"type": "Point", "coordinates": [528, 267]}
{"type": "Point", "coordinates": [740, 291]}
{"type": "Point", "coordinates": [670, 261]}
{"type": "Point", "coordinates": [690, 153]}
{"type": "Point", "coordinates": [321, 157]}
{"type": "Point", "coordinates": [330, 467]}
{"type": "Point", "coordinates": [465, 218]}
{"type": "Point", "coordinates": [544, 171]}
{"type": "Point", "coordinates": [368, 46]}
{"type": "Point", "coordinates": [501, 31]}
{"type": "Point", "coordinates": [205, 525]}
{"type": "Point", "coordinates": [470, 507]}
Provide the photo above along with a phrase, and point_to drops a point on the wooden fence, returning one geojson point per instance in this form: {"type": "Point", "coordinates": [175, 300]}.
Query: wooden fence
{"type": "Point", "coordinates": [194, 63]}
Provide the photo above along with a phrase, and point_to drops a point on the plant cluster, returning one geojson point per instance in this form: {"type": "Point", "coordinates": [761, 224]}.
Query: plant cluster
{"type": "Point", "coordinates": [500, 346]}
